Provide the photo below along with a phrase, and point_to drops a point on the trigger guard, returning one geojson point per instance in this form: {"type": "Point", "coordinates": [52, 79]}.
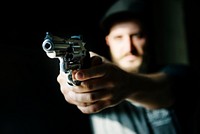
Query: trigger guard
{"type": "Point", "coordinates": [71, 82]}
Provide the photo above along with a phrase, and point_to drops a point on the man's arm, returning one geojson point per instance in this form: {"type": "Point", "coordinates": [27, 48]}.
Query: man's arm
{"type": "Point", "coordinates": [158, 90]}
{"type": "Point", "coordinates": [106, 85]}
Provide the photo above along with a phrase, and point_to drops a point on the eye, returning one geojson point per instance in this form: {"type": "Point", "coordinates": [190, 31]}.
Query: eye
{"type": "Point", "coordinates": [118, 38]}
{"type": "Point", "coordinates": [138, 35]}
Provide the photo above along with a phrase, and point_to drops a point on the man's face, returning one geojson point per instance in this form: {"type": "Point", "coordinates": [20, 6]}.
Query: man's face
{"type": "Point", "coordinates": [126, 44]}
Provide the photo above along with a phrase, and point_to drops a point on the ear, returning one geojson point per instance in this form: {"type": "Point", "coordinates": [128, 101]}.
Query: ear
{"type": "Point", "coordinates": [107, 40]}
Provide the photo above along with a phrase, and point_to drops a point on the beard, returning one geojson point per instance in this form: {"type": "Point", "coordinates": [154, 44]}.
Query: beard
{"type": "Point", "coordinates": [129, 64]}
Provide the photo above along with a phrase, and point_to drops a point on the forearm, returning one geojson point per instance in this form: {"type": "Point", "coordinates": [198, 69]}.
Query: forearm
{"type": "Point", "coordinates": [152, 90]}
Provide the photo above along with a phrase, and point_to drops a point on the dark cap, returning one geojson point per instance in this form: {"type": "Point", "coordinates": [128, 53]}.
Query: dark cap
{"type": "Point", "coordinates": [123, 9]}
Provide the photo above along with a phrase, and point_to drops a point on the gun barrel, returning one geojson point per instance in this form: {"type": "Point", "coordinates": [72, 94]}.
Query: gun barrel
{"type": "Point", "coordinates": [47, 45]}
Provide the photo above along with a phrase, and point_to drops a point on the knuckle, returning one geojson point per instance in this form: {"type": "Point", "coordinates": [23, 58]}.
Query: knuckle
{"type": "Point", "coordinates": [68, 99]}
{"type": "Point", "coordinates": [90, 97]}
{"type": "Point", "coordinates": [89, 109]}
{"type": "Point", "coordinates": [63, 91]}
{"type": "Point", "coordinates": [59, 78]}
{"type": "Point", "coordinates": [88, 86]}
{"type": "Point", "coordinates": [94, 109]}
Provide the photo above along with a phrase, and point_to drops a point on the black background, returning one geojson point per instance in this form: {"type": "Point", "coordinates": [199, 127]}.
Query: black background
{"type": "Point", "coordinates": [30, 98]}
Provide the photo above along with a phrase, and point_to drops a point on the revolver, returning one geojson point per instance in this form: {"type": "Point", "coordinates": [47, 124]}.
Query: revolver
{"type": "Point", "coordinates": [71, 53]}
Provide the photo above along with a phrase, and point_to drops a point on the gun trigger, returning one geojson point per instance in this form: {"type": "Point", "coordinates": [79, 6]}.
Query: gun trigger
{"type": "Point", "coordinates": [73, 83]}
{"type": "Point", "coordinates": [77, 83]}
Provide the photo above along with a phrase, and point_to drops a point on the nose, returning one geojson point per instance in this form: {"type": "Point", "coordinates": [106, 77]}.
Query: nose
{"type": "Point", "coordinates": [129, 44]}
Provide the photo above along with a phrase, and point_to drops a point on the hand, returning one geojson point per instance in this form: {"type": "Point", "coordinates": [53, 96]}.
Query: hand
{"type": "Point", "coordinates": [103, 85]}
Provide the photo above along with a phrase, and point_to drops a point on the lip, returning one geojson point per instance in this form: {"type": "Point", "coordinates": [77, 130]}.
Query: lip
{"type": "Point", "coordinates": [130, 57]}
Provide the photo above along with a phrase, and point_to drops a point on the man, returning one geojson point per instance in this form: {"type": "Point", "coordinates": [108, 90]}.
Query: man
{"type": "Point", "coordinates": [124, 96]}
